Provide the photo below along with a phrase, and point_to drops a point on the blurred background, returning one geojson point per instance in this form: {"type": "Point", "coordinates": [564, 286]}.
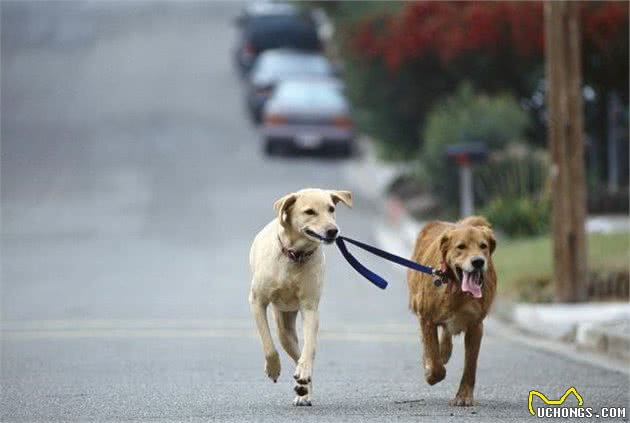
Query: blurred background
{"type": "Point", "coordinates": [143, 144]}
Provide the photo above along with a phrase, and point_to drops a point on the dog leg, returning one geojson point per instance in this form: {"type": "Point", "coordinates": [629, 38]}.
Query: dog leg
{"type": "Point", "coordinates": [472, 341]}
{"type": "Point", "coordinates": [446, 345]}
{"type": "Point", "coordinates": [434, 370]}
{"type": "Point", "coordinates": [285, 321]}
{"type": "Point", "coordinates": [272, 360]}
{"type": "Point", "coordinates": [304, 370]}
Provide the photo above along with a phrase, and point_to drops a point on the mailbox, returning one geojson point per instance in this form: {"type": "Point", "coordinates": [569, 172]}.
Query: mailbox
{"type": "Point", "coordinates": [465, 156]}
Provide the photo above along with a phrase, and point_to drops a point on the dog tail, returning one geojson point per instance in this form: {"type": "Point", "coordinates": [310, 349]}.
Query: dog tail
{"type": "Point", "coordinates": [475, 221]}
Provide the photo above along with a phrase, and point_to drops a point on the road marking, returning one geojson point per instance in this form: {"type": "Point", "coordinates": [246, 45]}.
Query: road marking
{"type": "Point", "coordinates": [188, 328]}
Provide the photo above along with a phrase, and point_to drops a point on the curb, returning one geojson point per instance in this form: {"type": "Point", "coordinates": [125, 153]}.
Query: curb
{"type": "Point", "coordinates": [608, 339]}
{"type": "Point", "coordinates": [602, 328]}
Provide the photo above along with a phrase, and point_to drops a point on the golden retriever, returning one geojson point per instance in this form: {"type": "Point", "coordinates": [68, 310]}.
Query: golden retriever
{"type": "Point", "coordinates": [464, 250]}
{"type": "Point", "coordinates": [287, 265]}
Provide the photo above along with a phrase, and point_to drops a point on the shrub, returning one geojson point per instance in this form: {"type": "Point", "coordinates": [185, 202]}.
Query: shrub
{"type": "Point", "coordinates": [513, 186]}
{"type": "Point", "coordinates": [518, 216]}
{"type": "Point", "coordinates": [515, 171]}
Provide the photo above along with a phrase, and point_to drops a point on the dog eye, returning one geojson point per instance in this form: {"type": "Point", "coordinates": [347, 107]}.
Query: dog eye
{"type": "Point", "coordinates": [331, 209]}
{"type": "Point", "coordinates": [310, 212]}
{"type": "Point", "coordinates": [461, 246]}
{"type": "Point", "coordinates": [483, 246]}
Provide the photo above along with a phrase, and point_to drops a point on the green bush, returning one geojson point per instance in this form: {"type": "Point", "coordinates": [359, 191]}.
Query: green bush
{"type": "Point", "coordinates": [518, 216]}
{"type": "Point", "coordinates": [512, 187]}
{"type": "Point", "coordinates": [467, 117]}
{"type": "Point", "coordinates": [515, 171]}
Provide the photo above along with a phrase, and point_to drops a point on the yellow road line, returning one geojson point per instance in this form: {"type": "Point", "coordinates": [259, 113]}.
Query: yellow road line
{"type": "Point", "coordinates": [186, 328]}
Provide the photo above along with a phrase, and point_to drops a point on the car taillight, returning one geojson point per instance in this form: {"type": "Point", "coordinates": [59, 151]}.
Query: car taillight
{"type": "Point", "coordinates": [342, 121]}
{"type": "Point", "coordinates": [275, 119]}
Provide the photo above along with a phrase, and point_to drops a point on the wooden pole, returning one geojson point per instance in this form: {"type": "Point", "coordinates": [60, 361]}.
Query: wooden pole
{"type": "Point", "coordinates": [565, 138]}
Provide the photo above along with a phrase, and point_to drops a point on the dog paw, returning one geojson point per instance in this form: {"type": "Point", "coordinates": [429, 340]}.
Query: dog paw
{"type": "Point", "coordinates": [303, 374]}
{"type": "Point", "coordinates": [272, 366]}
{"type": "Point", "coordinates": [435, 374]}
{"type": "Point", "coordinates": [302, 402]}
{"type": "Point", "coordinates": [301, 390]}
{"type": "Point", "coordinates": [463, 401]}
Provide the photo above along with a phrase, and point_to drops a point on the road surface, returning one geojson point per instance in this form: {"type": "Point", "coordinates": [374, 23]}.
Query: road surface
{"type": "Point", "coordinates": [132, 185]}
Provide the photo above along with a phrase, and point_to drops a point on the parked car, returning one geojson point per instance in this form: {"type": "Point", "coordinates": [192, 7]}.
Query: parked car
{"type": "Point", "coordinates": [266, 25]}
{"type": "Point", "coordinates": [274, 66]}
{"type": "Point", "coordinates": [308, 114]}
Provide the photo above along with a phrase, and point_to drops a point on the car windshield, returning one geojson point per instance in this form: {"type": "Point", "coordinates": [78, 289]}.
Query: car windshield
{"type": "Point", "coordinates": [282, 66]}
{"type": "Point", "coordinates": [310, 94]}
{"type": "Point", "coordinates": [282, 30]}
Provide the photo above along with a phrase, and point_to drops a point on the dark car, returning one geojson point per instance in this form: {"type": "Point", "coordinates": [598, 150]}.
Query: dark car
{"type": "Point", "coordinates": [274, 66]}
{"type": "Point", "coordinates": [308, 114]}
{"type": "Point", "coordinates": [266, 26]}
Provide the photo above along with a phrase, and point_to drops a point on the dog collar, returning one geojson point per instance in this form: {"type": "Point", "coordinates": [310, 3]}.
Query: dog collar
{"type": "Point", "coordinates": [294, 255]}
{"type": "Point", "coordinates": [445, 275]}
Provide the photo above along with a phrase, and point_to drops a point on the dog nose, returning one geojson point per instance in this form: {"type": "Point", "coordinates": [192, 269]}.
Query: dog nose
{"type": "Point", "coordinates": [332, 233]}
{"type": "Point", "coordinates": [478, 262]}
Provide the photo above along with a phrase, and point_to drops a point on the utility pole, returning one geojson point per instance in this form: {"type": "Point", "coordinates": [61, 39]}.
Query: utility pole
{"type": "Point", "coordinates": [566, 144]}
{"type": "Point", "coordinates": [613, 137]}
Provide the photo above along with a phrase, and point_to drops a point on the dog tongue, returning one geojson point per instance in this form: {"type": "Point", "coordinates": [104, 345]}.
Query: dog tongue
{"type": "Point", "coordinates": [470, 283]}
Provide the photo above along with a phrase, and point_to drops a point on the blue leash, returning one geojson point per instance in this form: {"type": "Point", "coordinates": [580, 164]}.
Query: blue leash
{"type": "Point", "coordinates": [371, 276]}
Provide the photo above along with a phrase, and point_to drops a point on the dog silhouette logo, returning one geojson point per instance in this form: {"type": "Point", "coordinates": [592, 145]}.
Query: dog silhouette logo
{"type": "Point", "coordinates": [547, 401]}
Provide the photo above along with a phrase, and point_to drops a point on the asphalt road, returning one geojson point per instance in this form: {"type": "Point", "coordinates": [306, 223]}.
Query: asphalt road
{"type": "Point", "coordinates": [132, 184]}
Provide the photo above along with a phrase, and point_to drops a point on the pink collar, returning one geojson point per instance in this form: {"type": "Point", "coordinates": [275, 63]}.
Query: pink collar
{"type": "Point", "coordinates": [295, 256]}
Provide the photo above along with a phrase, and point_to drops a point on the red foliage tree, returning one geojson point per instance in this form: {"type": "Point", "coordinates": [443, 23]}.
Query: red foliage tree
{"type": "Point", "coordinates": [429, 46]}
{"type": "Point", "coordinates": [449, 30]}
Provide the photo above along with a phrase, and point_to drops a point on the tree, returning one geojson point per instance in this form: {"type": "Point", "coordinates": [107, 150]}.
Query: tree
{"type": "Point", "coordinates": [400, 62]}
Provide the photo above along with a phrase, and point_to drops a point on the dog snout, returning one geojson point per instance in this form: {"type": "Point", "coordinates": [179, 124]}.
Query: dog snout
{"type": "Point", "coordinates": [478, 262]}
{"type": "Point", "coordinates": [332, 233]}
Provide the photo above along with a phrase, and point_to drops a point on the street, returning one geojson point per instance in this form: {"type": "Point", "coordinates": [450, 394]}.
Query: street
{"type": "Point", "coordinates": [132, 186]}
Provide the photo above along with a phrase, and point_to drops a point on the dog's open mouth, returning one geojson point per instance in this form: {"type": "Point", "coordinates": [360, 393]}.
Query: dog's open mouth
{"type": "Point", "coordinates": [471, 281]}
{"type": "Point", "coordinates": [315, 235]}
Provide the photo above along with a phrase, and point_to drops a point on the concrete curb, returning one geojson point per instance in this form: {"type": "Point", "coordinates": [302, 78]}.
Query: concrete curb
{"type": "Point", "coordinates": [602, 328]}
{"type": "Point", "coordinates": [369, 176]}
{"type": "Point", "coordinates": [612, 339]}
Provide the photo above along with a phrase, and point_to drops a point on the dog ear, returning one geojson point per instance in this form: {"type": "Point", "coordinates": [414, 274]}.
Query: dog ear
{"type": "Point", "coordinates": [282, 207]}
{"type": "Point", "coordinates": [492, 242]}
{"type": "Point", "coordinates": [445, 242]}
{"type": "Point", "coordinates": [343, 196]}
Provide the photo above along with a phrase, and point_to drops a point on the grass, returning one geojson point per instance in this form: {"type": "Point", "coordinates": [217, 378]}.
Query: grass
{"type": "Point", "coordinates": [519, 259]}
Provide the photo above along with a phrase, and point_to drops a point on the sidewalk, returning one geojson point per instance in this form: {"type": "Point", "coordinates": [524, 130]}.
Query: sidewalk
{"type": "Point", "coordinates": [597, 327]}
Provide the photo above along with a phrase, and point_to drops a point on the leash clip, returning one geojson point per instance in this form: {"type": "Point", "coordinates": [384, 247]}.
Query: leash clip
{"type": "Point", "coordinates": [438, 277]}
